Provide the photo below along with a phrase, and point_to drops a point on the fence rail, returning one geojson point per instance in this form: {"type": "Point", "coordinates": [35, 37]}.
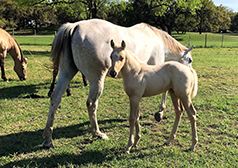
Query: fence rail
{"type": "Point", "coordinates": [208, 40]}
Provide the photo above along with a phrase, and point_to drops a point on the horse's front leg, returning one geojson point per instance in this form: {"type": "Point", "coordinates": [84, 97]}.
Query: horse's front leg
{"type": "Point", "coordinates": [52, 86]}
{"type": "Point", "coordinates": [133, 119]}
{"type": "Point", "coordinates": [2, 58]}
{"type": "Point", "coordinates": [159, 114]}
{"type": "Point", "coordinates": [63, 81]}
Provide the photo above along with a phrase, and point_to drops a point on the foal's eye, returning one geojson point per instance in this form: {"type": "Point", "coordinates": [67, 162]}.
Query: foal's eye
{"type": "Point", "coordinates": [121, 58]}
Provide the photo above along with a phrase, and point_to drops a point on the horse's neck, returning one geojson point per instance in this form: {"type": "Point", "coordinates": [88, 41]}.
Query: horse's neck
{"type": "Point", "coordinates": [132, 66]}
{"type": "Point", "coordinates": [14, 50]}
{"type": "Point", "coordinates": [172, 55]}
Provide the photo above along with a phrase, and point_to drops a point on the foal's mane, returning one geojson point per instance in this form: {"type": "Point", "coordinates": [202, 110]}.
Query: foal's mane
{"type": "Point", "coordinates": [169, 41]}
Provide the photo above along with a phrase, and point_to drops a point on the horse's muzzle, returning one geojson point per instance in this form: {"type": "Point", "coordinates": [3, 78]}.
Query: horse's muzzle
{"type": "Point", "coordinates": [113, 73]}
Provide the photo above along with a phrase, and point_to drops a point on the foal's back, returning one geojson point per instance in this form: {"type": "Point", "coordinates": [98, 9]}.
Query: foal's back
{"type": "Point", "coordinates": [170, 75]}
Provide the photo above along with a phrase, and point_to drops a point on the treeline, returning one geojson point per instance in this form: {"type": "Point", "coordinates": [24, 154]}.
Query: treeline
{"type": "Point", "coordinates": [170, 15]}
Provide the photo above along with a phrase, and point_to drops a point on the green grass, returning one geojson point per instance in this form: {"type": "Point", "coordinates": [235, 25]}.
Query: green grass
{"type": "Point", "coordinates": [23, 119]}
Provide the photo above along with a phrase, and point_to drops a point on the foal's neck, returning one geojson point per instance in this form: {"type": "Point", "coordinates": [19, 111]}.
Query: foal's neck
{"type": "Point", "coordinates": [132, 66]}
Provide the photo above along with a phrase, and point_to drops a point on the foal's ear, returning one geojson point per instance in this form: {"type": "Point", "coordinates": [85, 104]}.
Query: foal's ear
{"type": "Point", "coordinates": [112, 43]}
{"type": "Point", "coordinates": [123, 44]}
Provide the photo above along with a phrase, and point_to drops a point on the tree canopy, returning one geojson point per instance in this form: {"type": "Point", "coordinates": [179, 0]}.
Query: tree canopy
{"type": "Point", "coordinates": [169, 15]}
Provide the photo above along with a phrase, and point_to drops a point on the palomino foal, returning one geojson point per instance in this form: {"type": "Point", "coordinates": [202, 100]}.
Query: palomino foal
{"type": "Point", "coordinates": [142, 80]}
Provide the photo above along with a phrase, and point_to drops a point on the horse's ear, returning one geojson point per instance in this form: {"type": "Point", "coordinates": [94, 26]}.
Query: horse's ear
{"type": "Point", "coordinates": [188, 50]}
{"type": "Point", "coordinates": [123, 44]}
{"type": "Point", "coordinates": [112, 43]}
{"type": "Point", "coordinates": [25, 60]}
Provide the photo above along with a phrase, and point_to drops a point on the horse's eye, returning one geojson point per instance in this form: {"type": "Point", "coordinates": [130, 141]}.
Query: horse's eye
{"type": "Point", "coordinates": [121, 58]}
{"type": "Point", "coordinates": [190, 60]}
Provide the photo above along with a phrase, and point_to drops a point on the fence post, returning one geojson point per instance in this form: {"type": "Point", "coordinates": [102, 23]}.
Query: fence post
{"type": "Point", "coordinates": [13, 32]}
{"type": "Point", "coordinates": [206, 41]}
{"type": "Point", "coordinates": [35, 37]}
{"type": "Point", "coordinates": [222, 40]}
{"type": "Point", "coordinates": [189, 40]}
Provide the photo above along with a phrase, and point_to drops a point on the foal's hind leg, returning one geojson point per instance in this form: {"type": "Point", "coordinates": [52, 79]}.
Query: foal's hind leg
{"type": "Point", "coordinates": [63, 81]}
{"type": "Point", "coordinates": [192, 117]}
{"type": "Point", "coordinates": [178, 113]}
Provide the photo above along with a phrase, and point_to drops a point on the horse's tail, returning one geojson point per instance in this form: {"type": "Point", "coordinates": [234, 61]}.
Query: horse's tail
{"type": "Point", "coordinates": [195, 83]}
{"type": "Point", "coordinates": [62, 43]}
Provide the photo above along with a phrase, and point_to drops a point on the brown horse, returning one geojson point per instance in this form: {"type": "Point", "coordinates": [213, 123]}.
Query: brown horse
{"type": "Point", "coordinates": [9, 45]}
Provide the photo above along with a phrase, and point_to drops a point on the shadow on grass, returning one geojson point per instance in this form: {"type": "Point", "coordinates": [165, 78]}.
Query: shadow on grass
{"type": "Point", "coordinates": [27, 142]}
{"type": "Point", "coordinates": [17, 91]}
{"type": "Point", "coordinates": [36, 53]}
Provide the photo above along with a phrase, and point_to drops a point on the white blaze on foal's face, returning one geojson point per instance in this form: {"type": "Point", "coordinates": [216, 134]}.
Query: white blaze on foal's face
{"type": "Point", "coordinates": [117, 62]}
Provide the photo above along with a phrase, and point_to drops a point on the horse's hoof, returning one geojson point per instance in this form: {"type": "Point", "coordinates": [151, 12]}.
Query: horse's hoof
{"type": "Point", "coordinates": [127, 152]}
{"type": "Point", "coordinates": [158, 116]}
{"type": "Point", "coordinates": [191, 149]}
{"type": "Point", "coordinates": [49, 93]}
{"type": "Point", "coordinates": [48, 145]}
{"type": "Point", "coordinates": [101, 136]}
{"type": "Point", "coordinates": [69, 94]}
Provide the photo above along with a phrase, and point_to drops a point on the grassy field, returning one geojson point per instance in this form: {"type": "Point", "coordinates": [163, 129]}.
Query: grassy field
{"type": "Point", "coordinates": [23, 118]}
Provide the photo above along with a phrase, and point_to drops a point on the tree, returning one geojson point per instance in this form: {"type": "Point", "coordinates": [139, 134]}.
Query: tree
{"type": "Point", "coordinates": [9, 13]}
{"type": "Point", "coordinates": [161, 13]}
{"type": "Point", "coordinates": [234, 23]}
{"type": "Point", "coordinates": [168, 11]}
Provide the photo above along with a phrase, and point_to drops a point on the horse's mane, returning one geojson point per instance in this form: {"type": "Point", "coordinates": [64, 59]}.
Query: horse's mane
{"type": "Point", "coordinates": [22, 56]}
{"type": "Point", "coordinates": [168, 40]}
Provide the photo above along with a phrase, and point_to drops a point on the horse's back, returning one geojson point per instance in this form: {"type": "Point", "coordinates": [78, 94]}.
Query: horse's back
{"type": "Point", "coordinates": [91, 47]}
{"type": "Point", "coordinates": [4, 40]}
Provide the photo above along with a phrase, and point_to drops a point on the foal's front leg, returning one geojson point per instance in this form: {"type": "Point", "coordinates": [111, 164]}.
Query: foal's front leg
{"type": "Point", "coordinates": [133, 119]}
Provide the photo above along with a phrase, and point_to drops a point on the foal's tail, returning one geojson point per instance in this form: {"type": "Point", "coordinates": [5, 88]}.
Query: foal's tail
{"type": "Point", "coordinates": [195, 83]}
{"type": "Point", "coordinates": [62, 43]}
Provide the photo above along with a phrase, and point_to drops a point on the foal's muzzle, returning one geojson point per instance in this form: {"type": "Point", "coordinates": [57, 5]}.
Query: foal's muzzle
{"type": "Point", "coordinates": [113, 73]}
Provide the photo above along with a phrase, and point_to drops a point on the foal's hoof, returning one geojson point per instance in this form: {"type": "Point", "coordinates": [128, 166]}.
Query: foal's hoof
{"type": "Point", "coordinates": [48, 145]}
{"type": "Point", "coordinates": [158, 116]}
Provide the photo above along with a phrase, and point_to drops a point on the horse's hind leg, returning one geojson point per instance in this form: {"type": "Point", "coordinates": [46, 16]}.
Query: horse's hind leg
{"type": "Point", "coordinates": [63, 81]}
{"type": "Point", "coordinates": [84, 80]}
{"type": "Point", "coordinates": [159, 114]}
{"type": "Point", "coordinates": [95, 91]}
{"type": "Point", "coordinates": [178, 113]}
{"type": "Point", "coordinates": [192, 117]}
